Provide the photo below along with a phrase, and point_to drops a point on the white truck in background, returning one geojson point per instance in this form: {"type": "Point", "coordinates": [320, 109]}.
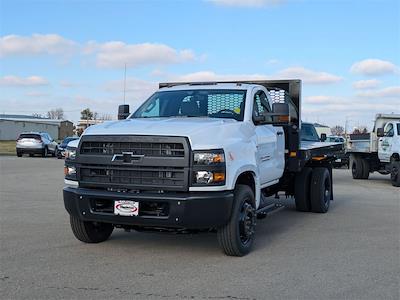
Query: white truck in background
{"type": "Point", "coordinates": [377, 151]}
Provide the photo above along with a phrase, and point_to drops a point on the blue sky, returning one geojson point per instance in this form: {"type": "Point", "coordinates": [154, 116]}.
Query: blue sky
{"type": "Point", "coordinates": [71, 54]}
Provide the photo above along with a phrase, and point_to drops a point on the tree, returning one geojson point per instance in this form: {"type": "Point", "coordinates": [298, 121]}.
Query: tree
{"type": "Point", "coordinates": [56, 114]}
{"type": "Point", "coordinates": [337, 130]}
{"type": "Point", "coordinates": [105, 117]}
{"type": "Point", "coordinates": [86, 114]}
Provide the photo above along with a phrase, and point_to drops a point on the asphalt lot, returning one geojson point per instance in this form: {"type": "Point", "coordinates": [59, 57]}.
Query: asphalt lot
{"type": "Point", "coordinates": [350, 253]}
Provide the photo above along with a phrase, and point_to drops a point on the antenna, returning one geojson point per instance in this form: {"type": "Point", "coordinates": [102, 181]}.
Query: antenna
{"type": "Point", "coordinates": [125, 84]}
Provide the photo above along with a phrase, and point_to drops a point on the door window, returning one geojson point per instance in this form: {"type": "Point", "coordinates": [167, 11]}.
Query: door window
{"type": "Point", "coordinates": [389, 130]}
{"type": "Point", "coordinates": [261, 105]}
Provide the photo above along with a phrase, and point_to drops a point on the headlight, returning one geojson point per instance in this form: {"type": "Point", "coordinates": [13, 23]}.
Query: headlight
{"type": "Point", "coordinates": [208, 158]}
{"type": "Point", "coordinates": [208, 168]}
{"type": "Point", "coordinates": [69, 171]}
{"type": "Point", "coordinates": [70, 153]}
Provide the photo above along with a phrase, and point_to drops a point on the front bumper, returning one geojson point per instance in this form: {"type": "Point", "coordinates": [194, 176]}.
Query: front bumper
{"type": "Point", "coordinates": [193, 210]}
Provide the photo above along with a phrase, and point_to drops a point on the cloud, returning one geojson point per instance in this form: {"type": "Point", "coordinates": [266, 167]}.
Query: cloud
{"type": "Point", "coordinates": [366, 84]}
{"type": "Point", "coordinates": [16, 81]}
{"type": "Point", "coordinates": [211, 76]}
{"type": "Point", "coordinates": [322, 100]}
{"type": "Point", "coordinates": [308, 76]}
{"type": "Point", "coordinates": [37, 94]}
{"type": "Point", "coordinates": [388, 92]}
{"type": "Point", "coordinates": [115, 54]}
{"type": "Point", "coordinates": [35, 44]}
{"type": "Point", "coordinates": [373, 66]}
{"type": "Point", "coordinates": [246, 3]}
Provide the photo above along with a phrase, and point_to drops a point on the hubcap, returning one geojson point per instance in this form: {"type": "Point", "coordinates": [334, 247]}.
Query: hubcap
{"type": "Point", "coordinates": [247, 222]}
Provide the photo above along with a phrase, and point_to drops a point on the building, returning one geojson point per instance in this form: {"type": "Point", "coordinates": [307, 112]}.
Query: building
{"type": "Point", "coordinates": [83, 124]}
{"type": "Point", "coordinates": [322, 129]}
{"type": "Point", "coordinates": [12, 125]}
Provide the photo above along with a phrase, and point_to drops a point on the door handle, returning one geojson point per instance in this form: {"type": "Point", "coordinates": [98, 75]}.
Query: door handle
{"type": "Point", "coordinates": [279, 133]}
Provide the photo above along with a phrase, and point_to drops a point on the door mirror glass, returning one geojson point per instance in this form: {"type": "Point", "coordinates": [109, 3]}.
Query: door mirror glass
{"type": "Point", "coordinates": [380, 132]}
{"type": "Point", "coordinates": [323, 137]}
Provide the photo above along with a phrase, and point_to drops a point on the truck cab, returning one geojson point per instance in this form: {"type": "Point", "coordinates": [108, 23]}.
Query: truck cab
{"type": "Point", "coordinates": [195, 157]}
{"type": "Point", "coordinates": [389, 141]}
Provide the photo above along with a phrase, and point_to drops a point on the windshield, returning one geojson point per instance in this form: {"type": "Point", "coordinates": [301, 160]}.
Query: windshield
{"type": "Point", "coordinates": [334, 139]}
{"type": "Point", "coordinates": [67, 140]}
{"type": "Point", "coordinates": [308, 133]}
{"type": "Point", "coordinates": [194, 103]}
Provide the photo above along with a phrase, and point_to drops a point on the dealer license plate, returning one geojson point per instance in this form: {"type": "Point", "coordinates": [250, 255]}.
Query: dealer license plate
{"type": "Point", "coordinates": [126, 208]}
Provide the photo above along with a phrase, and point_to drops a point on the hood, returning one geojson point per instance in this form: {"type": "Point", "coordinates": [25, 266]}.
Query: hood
{"type": "Point", "coordinates": [73, 144]}
{"type": "Point", "coordinates": [202, 132]}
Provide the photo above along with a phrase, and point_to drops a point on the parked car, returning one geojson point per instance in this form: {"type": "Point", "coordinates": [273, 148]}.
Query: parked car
{"type": "Point", "coordinates": [36, 143]}
{"type": "Point", "coordinates": [342, 159]}
{"type": "Point", "coordinates": [335, 139]}
{"type": "Point", "coordinates": [63, 146]}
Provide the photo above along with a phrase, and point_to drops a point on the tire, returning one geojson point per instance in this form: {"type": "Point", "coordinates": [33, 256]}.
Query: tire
{"type": "Point", "coordinates": [395, 173]}
{"type": "Point", "coordinates": [357, 167]}
{"type": "Point", "coordinates": [365, 168]}
{"type": "Point", "coordinates": [31, 155]}
{"type": "Point", "coordinates": [237, 236]}
{"type": "Point", "coordinates": [302, 190]}
{"type": "Point", "coordinates": [19, 154]}
{"type": "Point", "coordinates": [45, 152]}
{"type": "Point", "coordinates": [90, 232]}
{"type": "Point", "coordinates": [320, 190]}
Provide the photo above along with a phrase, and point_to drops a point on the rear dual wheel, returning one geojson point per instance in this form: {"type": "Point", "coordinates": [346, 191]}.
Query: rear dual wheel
{"type": "Point", "coordinates": [359, 168]}
{"type": "Point", "coordinates": [313, 189]}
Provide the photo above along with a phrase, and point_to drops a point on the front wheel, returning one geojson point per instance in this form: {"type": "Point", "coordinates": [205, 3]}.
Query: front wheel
{"type": "Point", "coordinates": [395, 173]}
{"type": "Point", "coordinates": [236, 238]}
{"type": "Point", "coordinates": [90, 232]}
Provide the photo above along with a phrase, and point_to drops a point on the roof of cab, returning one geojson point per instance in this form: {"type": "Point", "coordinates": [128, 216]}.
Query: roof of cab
{"type": "Point", "coordinates": [209, 86]}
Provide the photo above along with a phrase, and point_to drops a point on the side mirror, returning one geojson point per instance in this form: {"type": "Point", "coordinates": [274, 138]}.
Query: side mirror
{"type": "Point", "coordinates": [323, 137]}
{"type": "Point", "coordinates": [281, 112]}
{"type": "Point", "coordinates": [280, 108]}
{"type": "Point", "coordinates": [380, 132]}
{"type": "Point", "coordinates": [123, 111]}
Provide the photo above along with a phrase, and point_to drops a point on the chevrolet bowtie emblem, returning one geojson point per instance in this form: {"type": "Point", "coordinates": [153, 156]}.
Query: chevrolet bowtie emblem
{"type": "Point", "coordinates": [127, 158]}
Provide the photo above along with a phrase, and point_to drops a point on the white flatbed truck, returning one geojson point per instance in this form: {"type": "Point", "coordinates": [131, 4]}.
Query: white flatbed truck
{"type": "Point", "coordinates": [198, 156]}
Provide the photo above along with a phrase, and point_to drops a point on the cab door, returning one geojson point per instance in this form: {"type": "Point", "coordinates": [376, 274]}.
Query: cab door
{"type": "Point", "coordinates": [270, 142]}
{"type": "Point", "coordinates": [385, 143]}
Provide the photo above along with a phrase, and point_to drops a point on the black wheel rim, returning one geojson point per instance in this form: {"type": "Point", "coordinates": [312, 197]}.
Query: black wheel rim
{"type": "Point", "coordinates": [247, 222]}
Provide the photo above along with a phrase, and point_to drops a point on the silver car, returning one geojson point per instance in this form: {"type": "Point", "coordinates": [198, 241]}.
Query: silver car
{"type": "Point", "coordinates": [36, 143]}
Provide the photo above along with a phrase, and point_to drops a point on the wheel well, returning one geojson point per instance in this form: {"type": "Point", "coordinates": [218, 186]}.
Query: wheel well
{"type": "Point", "coordinates": [396, 156]}
{"type": "Point", "coordinates": [247, 178]}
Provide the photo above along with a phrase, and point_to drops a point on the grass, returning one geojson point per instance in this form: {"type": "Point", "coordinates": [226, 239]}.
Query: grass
{"type": "Point", "coordinates": [7, 148]}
